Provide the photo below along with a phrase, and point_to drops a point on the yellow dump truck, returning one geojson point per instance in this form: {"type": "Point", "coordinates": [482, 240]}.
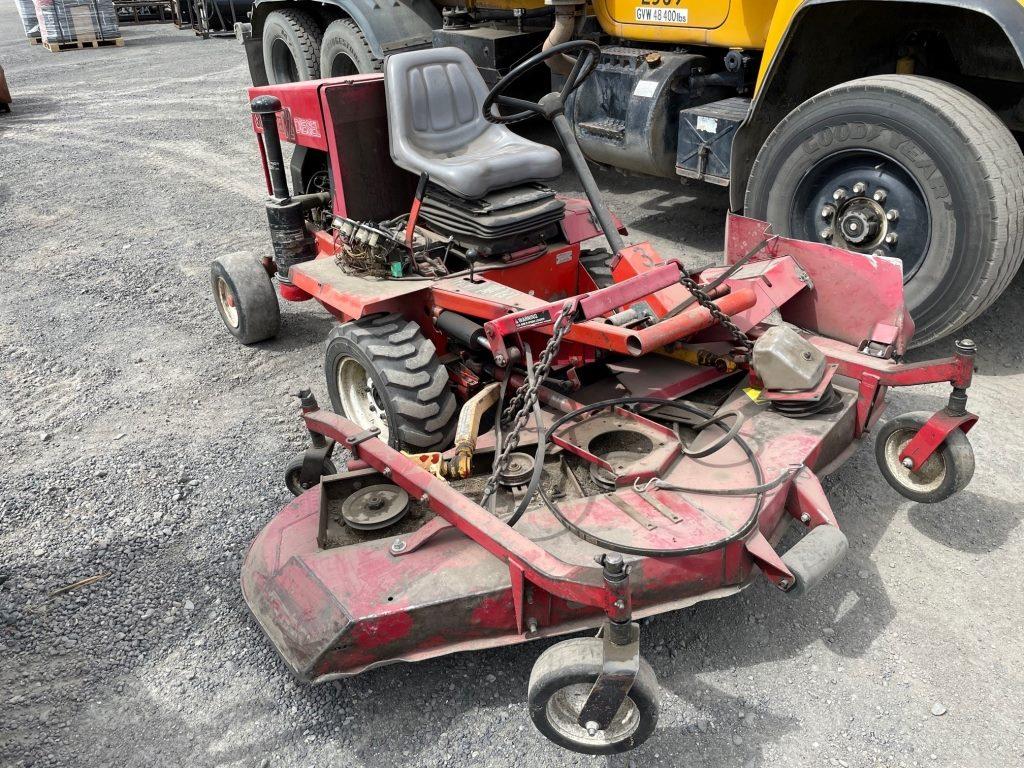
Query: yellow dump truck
{"type": "Point", "coordinates": [884, 126]}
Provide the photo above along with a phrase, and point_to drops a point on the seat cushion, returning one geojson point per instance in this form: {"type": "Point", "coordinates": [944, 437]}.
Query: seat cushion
{"type": "Point", "coordinates": [435, 123]}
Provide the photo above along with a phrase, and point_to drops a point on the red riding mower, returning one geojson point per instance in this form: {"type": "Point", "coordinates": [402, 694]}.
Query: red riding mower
{"type": "Point", "coordinates": [539, 438]}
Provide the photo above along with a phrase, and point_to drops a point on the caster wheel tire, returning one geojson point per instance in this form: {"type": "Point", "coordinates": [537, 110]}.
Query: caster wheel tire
{"type": "Point", "coordinates": [382, 372]}
{"type": "Point", "coordinates": [293, 474]}
{"type": "Point", "coordinates": [245, 297]}
{"type": "Point", "coordinates": [948, 470]}
{"type": "Point", "coordinates": [559, 686]}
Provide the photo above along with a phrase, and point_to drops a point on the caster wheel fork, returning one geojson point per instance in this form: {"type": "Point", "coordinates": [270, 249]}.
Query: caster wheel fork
{"type": "Point", "coordinates": [597, 696]}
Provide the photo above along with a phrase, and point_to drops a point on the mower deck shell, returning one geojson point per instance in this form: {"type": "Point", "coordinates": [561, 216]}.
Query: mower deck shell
{"type": "Point", "coordinates": [340, 611]}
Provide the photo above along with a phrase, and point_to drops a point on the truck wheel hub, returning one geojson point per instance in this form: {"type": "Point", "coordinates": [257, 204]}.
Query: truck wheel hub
{"type": "Point", "coordinates": [864, 202]}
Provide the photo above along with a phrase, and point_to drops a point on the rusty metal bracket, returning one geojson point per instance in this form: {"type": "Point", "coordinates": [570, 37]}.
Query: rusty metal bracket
{"type": "Point", "coordinates": [362, 437]}
{"type": "Point", "coordinates": [407, 544]}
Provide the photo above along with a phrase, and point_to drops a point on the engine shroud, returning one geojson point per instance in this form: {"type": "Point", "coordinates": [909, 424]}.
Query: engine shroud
{"type": "Point", "coordinates": [502, 222]}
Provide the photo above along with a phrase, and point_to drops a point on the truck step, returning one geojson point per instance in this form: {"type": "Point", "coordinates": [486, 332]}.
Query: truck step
{"type": "Point", "coordinates": [606, 127]}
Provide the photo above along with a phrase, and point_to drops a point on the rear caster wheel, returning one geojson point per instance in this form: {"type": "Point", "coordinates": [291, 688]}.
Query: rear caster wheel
{"type": "Point", "coordinates": [293, 474]}
{"type": "Point", "coordinates": [245, 297]}
{"type": "Point", "coordinates": [382, 372]}
{"type": "Point", "coordinates": [946, 471]}
{"type": "Point", "coordinates": [559, 686]}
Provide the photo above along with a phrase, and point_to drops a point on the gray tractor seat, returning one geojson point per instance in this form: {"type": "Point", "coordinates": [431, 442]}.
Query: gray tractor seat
{"type": "Point", "coordinates": [436, 127]}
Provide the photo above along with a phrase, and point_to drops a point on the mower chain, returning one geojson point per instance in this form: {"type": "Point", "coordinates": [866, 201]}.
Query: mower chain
{"type": "Point", "coordinates": [741, 339]}
{"type": "Point", "coordinates": [519, 408]}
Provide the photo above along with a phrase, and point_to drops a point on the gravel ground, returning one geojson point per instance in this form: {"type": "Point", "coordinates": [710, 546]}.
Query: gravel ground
{"type": "Point", "coordinates": [139, 443]}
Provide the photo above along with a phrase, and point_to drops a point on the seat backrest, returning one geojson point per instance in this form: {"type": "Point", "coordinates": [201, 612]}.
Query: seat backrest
{"type": "Point", "coordinates": [434, 98]}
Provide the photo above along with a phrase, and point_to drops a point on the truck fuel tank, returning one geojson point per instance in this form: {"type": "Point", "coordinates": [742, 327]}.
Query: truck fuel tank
{"type": "Point", "coordinates": [626, 114]}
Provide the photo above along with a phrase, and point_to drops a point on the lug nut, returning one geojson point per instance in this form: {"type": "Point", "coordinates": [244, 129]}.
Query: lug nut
{"type": "Point", "coordinates": [840, 194]}
{"type": "Point", "coordinates": [826, 233]}
{"type": "Point", "coordinates": [891, 238]}
{"type": "Point", "coordinates": [879, 196]}
{"type": "Point", "coordinates": [828, 211]}
{"type": "Point", "coordinates": [860, 188]}
{"type": "Point", "coordinates": [892, 214]}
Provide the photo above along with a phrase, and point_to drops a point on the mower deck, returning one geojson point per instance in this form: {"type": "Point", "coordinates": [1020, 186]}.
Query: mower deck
{"type": "Point", "coordinates": [338, 611]}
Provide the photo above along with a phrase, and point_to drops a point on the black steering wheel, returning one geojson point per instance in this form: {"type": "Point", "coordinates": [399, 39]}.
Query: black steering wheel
{"type": "Point", "coordinates": [586, 63]}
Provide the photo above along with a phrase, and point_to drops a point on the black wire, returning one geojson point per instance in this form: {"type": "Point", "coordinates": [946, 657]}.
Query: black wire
{"type": "Point", "coordinates": [615, 546]}
{"type": "Point", "coordinates": [721, 442]}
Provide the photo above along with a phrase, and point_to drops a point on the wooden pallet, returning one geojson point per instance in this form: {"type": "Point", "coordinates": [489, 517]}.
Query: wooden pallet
{"type": "Point", "coordinates": [34, 40]}
{"type": "Point", "coordinates": [76, 44]}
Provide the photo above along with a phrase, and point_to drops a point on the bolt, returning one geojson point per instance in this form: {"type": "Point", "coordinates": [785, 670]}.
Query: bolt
{"type": "Point", "coordinates": [880, 195]}
{"type": "Point", "coordinates": [826, 233]}
{"type": "Point", "coordinates": [892, 214]}
{"type": "Point", "coordinates": [397, 545]}
{"type": "Point", "coordinates": [592, 728]}
{"type": "Point", "coordinates": [531, 625]}
{"type": "Point", "coordinates": [386, 472]}
{"type": "Point", "coordinates": [375, 502]}
{"type": "Point", "coordinates": [878, 252]}
{"type": "Point", "coordinates": [891, 238]}
{"type": "Point", "coordinates": [500, 361]}
{"type": "Point", "coordinates": [808, 355]}
{"type": "Point", "coordinates": [424, 498]}
{"type": "Point", "coordinates": [840, 194]}
{"type": "Point", "coordinates": [908, 463]}
{"type": "Point", "coordinates": [783, 583]}
{"type": "Point", "coordinates": [827, 211]}
{"type": "Point", "coordinates": [805, 518]}
{"type": "Point", "coordinates": [860, 188]}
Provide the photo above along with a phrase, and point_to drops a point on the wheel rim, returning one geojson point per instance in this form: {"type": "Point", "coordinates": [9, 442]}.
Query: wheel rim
{"type": "Point", "coordinates": [360, 400]}
{"type": "Point", "coordinates": [867, 202]}
{"type": "Point", "coordinates": [927, 479]}
{"type": "Point", "coordinates": [564, 707]}
{"type": "Point", "coordinates": [226, 302]}
{"type": "Point", "coordinates": [343, 65]}
{"type": "Point", "coordinates": [285, 68]}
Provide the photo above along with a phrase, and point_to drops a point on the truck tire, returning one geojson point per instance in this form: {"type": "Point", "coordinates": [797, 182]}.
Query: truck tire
{"type": "Point", "coordinates": [907, 167]}
{"type": "Point", "coordinates": [291, 47]}
{"type": "Point", "coordinates": [344, 51]}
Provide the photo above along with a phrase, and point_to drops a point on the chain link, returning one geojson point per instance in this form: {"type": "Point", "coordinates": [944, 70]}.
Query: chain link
{"type": "Point", "coordinates": [705, 301]}
{"type": "Point", "coordinates": [522, 403]}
